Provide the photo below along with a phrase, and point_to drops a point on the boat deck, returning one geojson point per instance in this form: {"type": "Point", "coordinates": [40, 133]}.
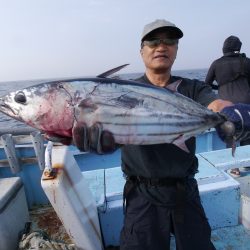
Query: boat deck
{"type": "Point", "coordinates": [227, 238]}
{"type": "Point", "coordinates": [231, 238]}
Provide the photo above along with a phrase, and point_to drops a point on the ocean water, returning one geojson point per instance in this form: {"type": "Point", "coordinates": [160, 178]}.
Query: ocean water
{"type": "Point", "coordinates": [5, 87]}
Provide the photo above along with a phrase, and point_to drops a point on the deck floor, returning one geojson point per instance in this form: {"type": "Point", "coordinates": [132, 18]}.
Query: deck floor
{"type": "Point", "coordinates": [45, 218]}
{"type": "Point", "coordinates": [231, 238]}
{"type": "Point", "coordinates": [228, 238]}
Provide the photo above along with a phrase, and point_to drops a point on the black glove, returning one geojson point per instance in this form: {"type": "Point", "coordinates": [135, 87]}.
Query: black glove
{"type": "Point", "coordinates": [237, 125]}
{"type": "Point", "coordinates": [94, 139]}
{"type": "Point", "coordinates": [101, 141]}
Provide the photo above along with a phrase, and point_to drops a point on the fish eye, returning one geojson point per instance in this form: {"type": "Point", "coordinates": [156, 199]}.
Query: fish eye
{"type": "Point", "coordinates": [20, 97]}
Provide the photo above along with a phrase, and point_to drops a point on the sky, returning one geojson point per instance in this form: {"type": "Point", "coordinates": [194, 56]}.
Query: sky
{"type": "Point", "coordinates": [41, 39]}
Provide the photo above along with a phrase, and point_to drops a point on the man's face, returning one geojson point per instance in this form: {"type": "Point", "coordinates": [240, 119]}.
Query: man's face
{"type": "Point", "coordinates": [159, 56]}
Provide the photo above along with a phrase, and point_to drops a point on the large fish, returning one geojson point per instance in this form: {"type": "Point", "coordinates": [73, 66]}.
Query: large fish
{"type": "Point", "coordinates": [134, 113]}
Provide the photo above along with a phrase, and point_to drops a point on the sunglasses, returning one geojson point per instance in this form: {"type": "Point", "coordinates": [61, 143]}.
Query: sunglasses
{"type": "Point", "coordinates": [156, 42]}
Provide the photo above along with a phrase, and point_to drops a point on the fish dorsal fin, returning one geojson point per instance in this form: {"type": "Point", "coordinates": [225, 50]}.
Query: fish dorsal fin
{"type": "Point", "coordinates": [112, 71]}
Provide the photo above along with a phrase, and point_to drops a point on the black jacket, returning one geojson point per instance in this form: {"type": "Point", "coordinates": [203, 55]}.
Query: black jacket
{"type": "Point", "coordinates": [167, 160]}
{"type": "Point", "coordinates": [232, 74]}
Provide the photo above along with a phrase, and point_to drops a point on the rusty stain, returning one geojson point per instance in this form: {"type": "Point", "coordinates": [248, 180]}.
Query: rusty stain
{"type": "Point", "coordinates": [46, 219]}
{"type": "Point", "coordinates": [47, 173]}
{"type": "Point", "coordinates": [50, 174]}
{"type": "Point", "coordinates": [58, 165]}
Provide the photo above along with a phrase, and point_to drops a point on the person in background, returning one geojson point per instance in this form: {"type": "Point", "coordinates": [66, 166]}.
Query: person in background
{"type": "Point", "coordinates": [232, 74]}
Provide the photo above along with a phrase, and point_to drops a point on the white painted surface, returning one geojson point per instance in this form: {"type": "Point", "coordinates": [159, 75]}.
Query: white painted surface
{"type": "Point", "coordinates": [72, 200]}
{"type": "Point", "coordinates": [245, 200]}
{"type": "Point", "coordinates": [245, 211]}
{"type": "Point", "coordinates": [13, 212]}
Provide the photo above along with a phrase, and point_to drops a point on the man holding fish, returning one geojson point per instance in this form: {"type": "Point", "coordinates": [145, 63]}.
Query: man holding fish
{"type": "Point", "coordinates": [155, 118]}
{"type": "Point", "coordinates": [161, 194]}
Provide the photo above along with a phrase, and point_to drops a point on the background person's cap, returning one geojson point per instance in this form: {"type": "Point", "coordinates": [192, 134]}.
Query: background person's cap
{"type": "Point", "coordinates": [231, 44]}
{"type": "Point", "coordinates": [162, 24]}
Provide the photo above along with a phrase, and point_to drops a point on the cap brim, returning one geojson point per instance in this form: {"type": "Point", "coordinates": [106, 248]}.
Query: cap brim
{"type": "Point", "coordinates": [173, 32]}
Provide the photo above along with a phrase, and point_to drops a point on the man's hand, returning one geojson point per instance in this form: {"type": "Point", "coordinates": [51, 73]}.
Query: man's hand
{"type": "Point", "coordinates": [239, 128]}
{"type": "Point", "coordinates": [94, 139]}
{"type": "Point", "coordinates": [101, 141]}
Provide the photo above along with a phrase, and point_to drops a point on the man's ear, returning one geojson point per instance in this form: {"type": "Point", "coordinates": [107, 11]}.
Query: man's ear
{"type": "Point", "coordinates": [141, 52]}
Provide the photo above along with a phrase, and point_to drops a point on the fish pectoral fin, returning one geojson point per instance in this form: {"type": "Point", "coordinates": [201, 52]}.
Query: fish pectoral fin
{"type": "Point", "coordinates": [87, 105]}
{"type": "Point", "coordinates": [180, 143]}
{"type": "Point", "coordinates": [112, 71]}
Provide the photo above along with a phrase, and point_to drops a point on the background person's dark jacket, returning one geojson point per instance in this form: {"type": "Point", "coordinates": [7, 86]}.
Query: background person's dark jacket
{"type": "Point", "coordinates": [231, 72]}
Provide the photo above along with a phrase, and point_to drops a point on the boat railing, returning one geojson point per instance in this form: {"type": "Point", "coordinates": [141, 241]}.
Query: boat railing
{"type": "Point", "coordinates": [12, 138]}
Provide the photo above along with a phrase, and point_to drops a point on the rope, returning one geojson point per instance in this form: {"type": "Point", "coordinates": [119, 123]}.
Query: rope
{"type": "Point", "coordinates": [39, 240]}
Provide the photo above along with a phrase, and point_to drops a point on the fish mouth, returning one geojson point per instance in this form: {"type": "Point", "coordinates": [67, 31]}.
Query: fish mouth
{"type": "Point", "coordinates": [6, 109]}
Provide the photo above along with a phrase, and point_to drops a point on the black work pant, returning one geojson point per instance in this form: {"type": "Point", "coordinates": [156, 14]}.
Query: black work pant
{"type": "Point", "coordinates": [148, 226]}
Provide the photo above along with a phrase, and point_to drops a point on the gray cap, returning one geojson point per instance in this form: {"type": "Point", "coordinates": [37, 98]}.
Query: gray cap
{"type": "Point", "coordinates": [162, 24]}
